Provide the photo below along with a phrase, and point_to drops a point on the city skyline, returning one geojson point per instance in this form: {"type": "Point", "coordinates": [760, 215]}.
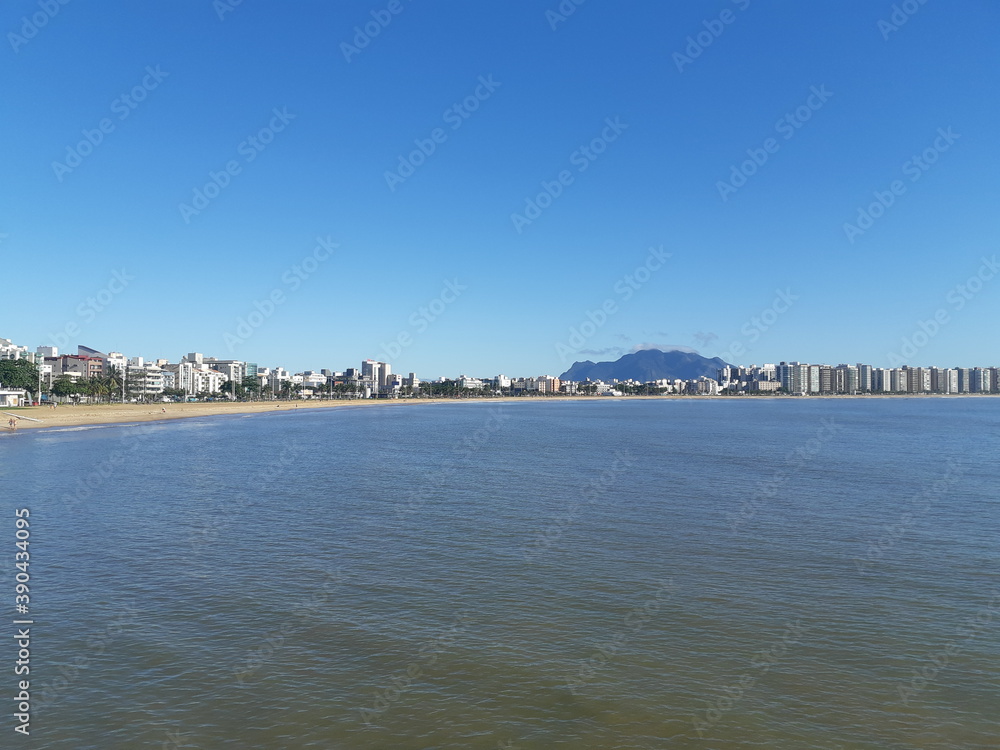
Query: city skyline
{"type": "Point", "coordinates": [366, 191]}
{"type": "Point", "coordinates": [196, 373]}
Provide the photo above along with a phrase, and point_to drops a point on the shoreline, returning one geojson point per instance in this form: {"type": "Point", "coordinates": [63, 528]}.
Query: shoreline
{"type": "Point", "coordinates": [111, 414]}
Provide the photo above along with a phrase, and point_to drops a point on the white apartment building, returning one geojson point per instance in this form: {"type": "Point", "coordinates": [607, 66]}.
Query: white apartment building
{"type": "Point", "coordinates": [10, 350]}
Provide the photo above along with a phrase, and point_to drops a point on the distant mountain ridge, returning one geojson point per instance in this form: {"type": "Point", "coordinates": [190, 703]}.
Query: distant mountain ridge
{"type": "Point", "coordinates": [647, 364]}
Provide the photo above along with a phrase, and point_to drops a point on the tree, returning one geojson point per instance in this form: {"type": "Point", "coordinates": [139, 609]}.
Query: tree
{"type": "Point", "coordinates": [250, 385]}
{"type": "Point", "coordinates": [114, 382]}
{"type": "Point", "coordinates": [19, 373]}
{"type": "Point", "coordinates": [65, 386]}
{"type": "Point", "coordinates": [98, 386]}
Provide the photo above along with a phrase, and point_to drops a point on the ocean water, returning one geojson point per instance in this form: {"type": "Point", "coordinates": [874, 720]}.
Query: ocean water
{"type": "Point", "coordinates": [711, 574]}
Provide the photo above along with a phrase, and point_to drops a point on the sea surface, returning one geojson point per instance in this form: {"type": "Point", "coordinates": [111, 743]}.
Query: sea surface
{"type": "Point", "coordinates": [793, 573]}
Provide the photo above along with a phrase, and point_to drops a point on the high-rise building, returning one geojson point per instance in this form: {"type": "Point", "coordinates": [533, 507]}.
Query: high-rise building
{"type": "Point", "coordinates": [846, 379]}
{"type": "Point", "coordinates": [794, 377]}
{"type": "Point", "coordinates": [897, 380]}
{"type": "Point", "coordinates": [864, 378]}
{"type": "Point", "coordinates": [964, 384]}
{"type": "Point", "coordinates": [376, 375]}
{"type": "Point", "coordinates": [827, 382]}
{"type": "Point", "coordinates": [813, 379]}
{"type": "Point", "coordinates": [918, 379]}
{"type": "Point", "coordinates": [980, 381]}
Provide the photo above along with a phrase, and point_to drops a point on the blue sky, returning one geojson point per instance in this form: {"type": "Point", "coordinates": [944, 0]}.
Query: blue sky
{"type": "Point", "coordinates": [429, 269]}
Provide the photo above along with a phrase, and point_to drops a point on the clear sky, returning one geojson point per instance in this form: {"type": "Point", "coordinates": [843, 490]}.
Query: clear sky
{"type": "Point", "coordinates": [818, 107]}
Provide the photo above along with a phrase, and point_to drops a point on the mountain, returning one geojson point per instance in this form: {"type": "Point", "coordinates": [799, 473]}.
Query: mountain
{"type": "Point", "coordinates": [647, 364]}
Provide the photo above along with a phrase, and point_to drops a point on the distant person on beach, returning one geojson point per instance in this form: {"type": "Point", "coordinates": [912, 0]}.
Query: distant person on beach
{"type": "Point", "coordinates": [12, 423]}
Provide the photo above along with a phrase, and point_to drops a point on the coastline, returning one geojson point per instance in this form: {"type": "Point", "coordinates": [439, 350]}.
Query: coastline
{"type": "Point", "coordinates": [108, 414]}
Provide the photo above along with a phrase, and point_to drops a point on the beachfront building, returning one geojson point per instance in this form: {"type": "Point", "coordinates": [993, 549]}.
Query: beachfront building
{"type": "Point", "coordinates": [812, 381]}
{"type": "Point", "coordinates": [233, 370]}
{"type": "Point", "coordinates": [980, 381]}
{"type": "Point", "coordinates": [10, 350]}
{"type": "Point", "coordinates": [846, 379]}
{"type": "Point", "coordinates": [703, 386]}
{"type": "Point", "coordinates": [183, 373]}
{"type": "Point", "coordinates": [952, 380]}
{"type": "Point", "coordinates": [864, 378]}
{"type": "Point", "coordinates": [115, 360]}
{"type": "Point", "coordinates": [794, 377]}
{"type": "Point", "coordinates": [75, 365]}
{"type": "Point", "coordinates": [263, 376]}
{"type": "Point", "coordinates": [277, 379]}
{"type": "Point", "coordinates": [727, 378]}
{"type": "Point", "coordinates": [145, 379]}
{"type": "Point", "coordinates": [964, 385]}
{"type": "Point", "coordinates": [194, 378]}
{"type": "Point", "coordinates": [310, 379]}
{"type": "Point", "coordinates": [11, 398]}
{"type": "Point", "coordinates": [918, 379]}
{"type": "Point", "coordinates": [543, 384]}
{"type": "Point", "coordinates": [375, 376]}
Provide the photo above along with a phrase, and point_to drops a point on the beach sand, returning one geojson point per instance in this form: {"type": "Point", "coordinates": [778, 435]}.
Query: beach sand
{"type": "Point", "coordinates": [65, 415]}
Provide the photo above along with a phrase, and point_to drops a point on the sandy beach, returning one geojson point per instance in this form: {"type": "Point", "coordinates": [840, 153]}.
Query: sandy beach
{"type": "Point", "coordinates": [92, 414]}
{"type": "Point", "coordinates": [95, 414]}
